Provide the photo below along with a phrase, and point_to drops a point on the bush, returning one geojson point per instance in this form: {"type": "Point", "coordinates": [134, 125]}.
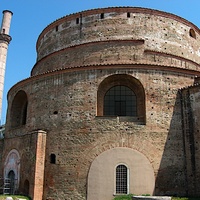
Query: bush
{"type": "Point", "coordinates": [3, 197]}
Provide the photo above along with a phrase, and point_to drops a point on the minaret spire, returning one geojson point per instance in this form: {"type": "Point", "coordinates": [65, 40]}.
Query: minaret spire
{"type": "Point", "coordinates": [5, 39]}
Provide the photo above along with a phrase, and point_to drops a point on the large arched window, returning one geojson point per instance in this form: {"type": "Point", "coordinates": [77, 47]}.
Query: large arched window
{"type": "Point", "coordinates": [19, 109]}
{"type": "Point", "coordinates": [121, 95]}
{"type": "Point", "coordinates": [121, 179]}
{"type": "Point", "coordinates": [120, 101]}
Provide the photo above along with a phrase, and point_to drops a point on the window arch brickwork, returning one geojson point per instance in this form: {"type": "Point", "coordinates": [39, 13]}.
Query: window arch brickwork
{"type": "Point", "coordinates": [123, 80]}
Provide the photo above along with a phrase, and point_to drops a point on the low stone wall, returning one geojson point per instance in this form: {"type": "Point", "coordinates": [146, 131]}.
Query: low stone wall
{"type": "Point", "coordinates": [151, 198]}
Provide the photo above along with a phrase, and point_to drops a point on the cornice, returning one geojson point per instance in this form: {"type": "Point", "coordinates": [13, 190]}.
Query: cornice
{"type": "Point", "coordinates": [143, 66]}
{"type": "Point", "coordinates": [94, 42]}
{"type": "Point", "coordinates": [164, 54]}
{"type": "Point", "coordinates": [5, 37]}
{"type": "Point", "coordinates": [136, 42]}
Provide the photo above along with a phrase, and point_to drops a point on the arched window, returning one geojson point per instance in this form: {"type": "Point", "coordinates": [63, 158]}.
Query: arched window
{"type": "Point", "coordinates": [121, 179]}
{"type": "Point", "coordinates": [19, 109]}
{"type": "Point", "coordinates": [121, 95]}
{"type": "Point", "coordinates": [120, 101]}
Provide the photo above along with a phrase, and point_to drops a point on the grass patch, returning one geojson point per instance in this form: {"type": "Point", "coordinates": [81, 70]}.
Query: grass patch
{"type": "Point", "coordinates": [3, 197]}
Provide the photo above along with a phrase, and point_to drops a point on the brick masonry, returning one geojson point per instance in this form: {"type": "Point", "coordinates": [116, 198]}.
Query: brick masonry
{"type": "Point", "coordinates": [154, 47]}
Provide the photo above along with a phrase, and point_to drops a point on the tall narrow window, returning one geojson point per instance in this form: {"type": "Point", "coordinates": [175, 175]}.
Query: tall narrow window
{"type": "Point", "coordinates": [120, 101]}
{"type": "Point", "coordinates": [121, 179]}
{"type": "Point", "coordinates": [53, 158]}
{"type": "Point", "coordinates": [102, 16]}
{"type": "Point", "coordinates": [56, 28]}
{"type": "Point", "coordinates": [77, 20]}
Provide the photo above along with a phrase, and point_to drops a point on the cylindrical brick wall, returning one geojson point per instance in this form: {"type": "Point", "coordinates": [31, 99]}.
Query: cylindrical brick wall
{"type": "Point", "coordinates": [156, 51]}
{"type": "Point", "coordinates": [117, 36]}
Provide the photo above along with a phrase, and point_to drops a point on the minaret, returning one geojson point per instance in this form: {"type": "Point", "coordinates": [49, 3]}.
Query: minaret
{"type": "Point", "coordinates": [4, 42]}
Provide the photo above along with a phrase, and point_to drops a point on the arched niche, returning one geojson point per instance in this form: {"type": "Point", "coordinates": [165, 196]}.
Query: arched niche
{"type": "Point", "coordinates": [12, 167]}
{"type": "Point", "coordinates": [102, 173]}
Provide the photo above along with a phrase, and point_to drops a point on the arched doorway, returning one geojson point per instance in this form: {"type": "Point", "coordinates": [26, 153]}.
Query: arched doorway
{"type": "Point", "coordinates": [11, 181]}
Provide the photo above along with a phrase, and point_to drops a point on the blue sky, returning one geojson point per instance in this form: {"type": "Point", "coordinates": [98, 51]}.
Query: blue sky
{"type": "Point", "coordinates": [31, 17]}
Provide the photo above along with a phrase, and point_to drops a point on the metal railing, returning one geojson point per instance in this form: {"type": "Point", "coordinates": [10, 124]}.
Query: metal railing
{"type": "Point", "coordinates": [8, 186]}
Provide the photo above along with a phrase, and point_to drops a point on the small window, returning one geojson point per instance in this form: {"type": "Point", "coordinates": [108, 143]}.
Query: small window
{"type": "Point", "coordinates": [55, 112]}
{"type": "Point", "coordinates": [192, 33]}
{"type": "Point", "coordinates": [56, 28]}
{"type": "Point", "coordinates": [121, 179]}
{"type": "Point", "coordinates": [77, 20]}
{"type": "Point", "coordinates": [102, 15]}
{"type": "Point", "coordinates": [3, 31]}
{"type": "Point", "coordinates": [128, 15]}
{"type": "Point", "coordinates": [53, 158]}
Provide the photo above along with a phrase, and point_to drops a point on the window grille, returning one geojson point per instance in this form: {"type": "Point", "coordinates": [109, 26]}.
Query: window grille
{"type": "Point", "coordinates": [121, 179]}
{"type": "Point", "coordinates": [120, 101]}
{"type": "Point", "coordinates": [8, 185]}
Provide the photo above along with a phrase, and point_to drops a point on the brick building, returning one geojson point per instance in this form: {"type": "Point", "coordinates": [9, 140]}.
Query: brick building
{"type": "Point", "coordinates": [111, 107]}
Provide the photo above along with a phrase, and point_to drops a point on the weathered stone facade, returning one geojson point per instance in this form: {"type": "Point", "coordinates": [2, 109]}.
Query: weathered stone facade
{"type": "Point", "coordinates": [56, 119]}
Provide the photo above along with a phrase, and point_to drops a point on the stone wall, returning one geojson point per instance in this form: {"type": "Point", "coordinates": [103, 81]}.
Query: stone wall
{"type": "Point", "coordinates": [30, 158]}
{"type": "Point", "coordinates": [191, 105]}
{"type": "Point", "coordinates": [64, 104]}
